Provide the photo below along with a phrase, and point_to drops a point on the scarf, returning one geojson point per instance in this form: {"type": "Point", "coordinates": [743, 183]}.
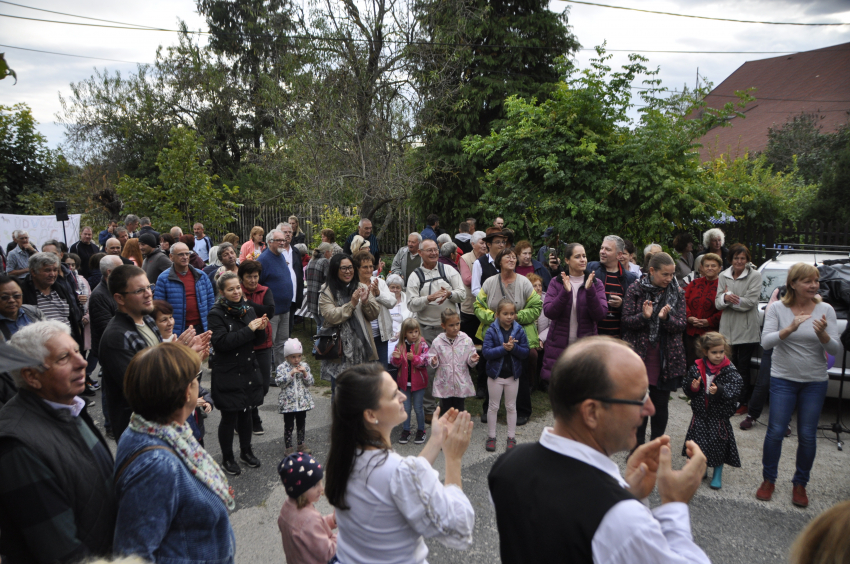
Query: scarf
{"type": "Point", "coordinates": [707, 369]}
{"type": "Point", "coordinates": [235, 309]}
{"type": "Point", "coordinates": [659, 297]}
{"type": "Point", "coordinates": [354, 341]}
{"type": "Point", "coordinates": [191, 453]}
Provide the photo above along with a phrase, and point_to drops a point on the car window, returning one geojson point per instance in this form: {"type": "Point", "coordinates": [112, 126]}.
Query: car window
{"type": "Point", "coordinates": [771, 279]}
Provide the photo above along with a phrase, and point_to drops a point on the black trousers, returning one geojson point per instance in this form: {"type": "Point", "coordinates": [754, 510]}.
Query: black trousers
{"type": "Point", "coordinates": [660, 399]}
{"type": "Point", "coordinates": [294, 419]}
{"type": "Point", "coordinates": [448, 403]}
{"type": "Point", "coordinates": [264, 359]}
{"type": "Point", "coordinates": [762, 387]}
{"type": "Point", "coordinates": [741, 358]}
{"type": "Point", "coordinates": [230, 421]}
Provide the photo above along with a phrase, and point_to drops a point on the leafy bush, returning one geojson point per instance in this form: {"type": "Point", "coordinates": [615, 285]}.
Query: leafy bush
{"type": "Point", "coordinates": [333, 218]}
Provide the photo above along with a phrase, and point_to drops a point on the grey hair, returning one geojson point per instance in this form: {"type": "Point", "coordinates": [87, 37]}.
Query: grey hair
{"type": "Point", "coordinates": [477, 236]}
{"type": "Point", "coordinates": [270, 235]}
{"type": "Point", "coordinates": [32, 341]}
{"type": "Point", "coordinates": [23, 232]}
{"type": "Point", "coordinates": [447, 249]}
{"type": "Point", "coordinates": [222, 280]}
{"type": "Point", "coordinates": [648, 248]}
{"type": "Point", "coordinates": [360, 223]}
{"type": "Point", "coordinates": [53, 242]}
{"type": "Point", "coordinates": [120, 229]}
{"type": "Point", "coordinates": [395, 279]}
{"type": "Point", "coordinates": [713, 233]}
{"type": "Point", "coordinates": [417, 235]}
{"type": "Point", "coordinates": [618, 242]}
{"type": "Point", "coordinates": [443, 239]}
{"type": "Point", "coordinates": [40, 260]}
{"type": "Point", "coordinates": [131, 218]}
{"type": "Point", "coordinates": [226, 245]}
{"type": "Point", "coordinates": [423, 241]}
{"type": "Point", "coordinates": [111, 264]}
{"type": "Point", "coordinates": [145, 221]}
{"type": "Point", "coordinates": [302, 248]}
{"type": "Point", "coordinates": [15, 234]}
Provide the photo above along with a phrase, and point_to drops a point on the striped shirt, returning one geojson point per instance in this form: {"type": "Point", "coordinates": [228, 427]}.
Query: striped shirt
{"type": "Point", "coordinates": [54, 307]}
{"type": "Point", "coordinates": [610, 325]}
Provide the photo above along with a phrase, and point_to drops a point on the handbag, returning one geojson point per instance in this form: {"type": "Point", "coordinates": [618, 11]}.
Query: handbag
{"type": "Point", "coordinates": [328, 343]}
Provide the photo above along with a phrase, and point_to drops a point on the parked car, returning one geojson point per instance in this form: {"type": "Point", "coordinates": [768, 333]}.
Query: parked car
{"type": "Point", "coordinates": [773, 274]}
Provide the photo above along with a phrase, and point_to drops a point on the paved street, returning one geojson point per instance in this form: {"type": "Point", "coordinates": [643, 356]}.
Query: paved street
{"type": "Point", "coordinates": [730, 524]}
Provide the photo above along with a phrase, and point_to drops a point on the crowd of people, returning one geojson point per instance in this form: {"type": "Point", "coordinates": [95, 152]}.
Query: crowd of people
{"type": "Point", "coordinates": [450, 319]}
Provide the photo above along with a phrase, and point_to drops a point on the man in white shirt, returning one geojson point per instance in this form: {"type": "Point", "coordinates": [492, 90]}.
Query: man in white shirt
{"type": "Point", "coordinates": [599, 393]}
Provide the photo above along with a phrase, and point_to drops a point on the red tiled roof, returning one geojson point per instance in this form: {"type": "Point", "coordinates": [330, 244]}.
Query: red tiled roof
{"type": "Point", "coordinates": [812, 81]}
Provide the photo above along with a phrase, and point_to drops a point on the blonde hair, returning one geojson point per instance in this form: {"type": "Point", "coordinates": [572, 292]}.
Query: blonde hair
{"type": "Point", "coordinates": [825, 539]}
{"type": "Point", "coordinates": [710, 340]}
{"type": "Point", "coordinates": [799, 271]}
{"type": "Point", "coordinates": [301, 501]}
{"type": "Point", "coordinates": [257, 230]}
{"type": "Point", "coordinates": [408, 324]}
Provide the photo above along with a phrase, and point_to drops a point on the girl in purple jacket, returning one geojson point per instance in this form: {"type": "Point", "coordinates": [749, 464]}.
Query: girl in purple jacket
{"type": "Point", "coordinates": [574, 305]}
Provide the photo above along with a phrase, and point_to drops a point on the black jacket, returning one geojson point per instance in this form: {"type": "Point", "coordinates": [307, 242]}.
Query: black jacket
{"type": "Point", "coordinates": [118, 345]}
{"type": "Point", "coordinates": [85, 252]}
{"type": "Point", "coordinates": [299, 277]}
{"type": "Point", "coordinates": [149, 229]}
{"type": "Point", "coordinates": [75, 313]}
{"type": "Point", "coordinates": [155, 264]}
{"type": "Point", "coordinates": [235, 382]}
{"type": "Point", "coordinates": [102, 308]}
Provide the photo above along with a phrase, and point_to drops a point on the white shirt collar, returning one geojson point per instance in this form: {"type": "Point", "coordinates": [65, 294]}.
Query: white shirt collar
{"type": "Point", "coordinates": [581, 452]}
{"type": "Point", "coordinates": [75, 408]}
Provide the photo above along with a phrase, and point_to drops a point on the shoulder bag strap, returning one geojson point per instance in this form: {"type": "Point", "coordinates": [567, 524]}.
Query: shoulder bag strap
{"type": "Point", "coordinates": [136, 455]}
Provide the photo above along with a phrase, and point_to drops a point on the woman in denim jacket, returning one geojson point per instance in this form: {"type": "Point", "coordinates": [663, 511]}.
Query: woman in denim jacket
{"type": "Point", "coordinates": [172, 496]}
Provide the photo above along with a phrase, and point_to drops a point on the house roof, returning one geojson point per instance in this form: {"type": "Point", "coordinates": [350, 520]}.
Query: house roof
{"type": "Point", "coordinates": [812, 81]}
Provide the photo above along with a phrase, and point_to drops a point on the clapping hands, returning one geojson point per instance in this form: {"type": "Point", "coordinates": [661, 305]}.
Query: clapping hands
{"type": "Point", "coordinates": [509, 346]}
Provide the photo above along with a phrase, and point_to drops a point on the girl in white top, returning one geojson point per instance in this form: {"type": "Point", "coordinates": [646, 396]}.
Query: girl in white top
{"type": "Point", "coordinates": [386, 504]}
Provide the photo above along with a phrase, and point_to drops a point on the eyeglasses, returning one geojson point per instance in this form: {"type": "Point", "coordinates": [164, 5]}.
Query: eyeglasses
{"type": "Point", "coordinates": [346, 268]}
{"type": "Point", "coordinates": [181, 255]}
{"type": "Point", "coordinates": [640, 403]}
{"type": "Point", "coordinates": [276, 240]}
{"type": "Point", "coordinates": [140, 291]}
{"type": "Point", "coordinates": [10, 297]}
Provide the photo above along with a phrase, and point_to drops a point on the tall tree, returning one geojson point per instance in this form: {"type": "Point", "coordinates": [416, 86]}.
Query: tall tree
{"type": "Point", "coordinates": [25, 160]}
{"type": "Point", "coordinates": [507, 48]}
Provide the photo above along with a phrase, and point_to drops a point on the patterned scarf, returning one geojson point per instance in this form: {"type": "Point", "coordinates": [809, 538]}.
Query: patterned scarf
{"type": "Point", "coordinates": [235, 309]}
{"type": "Point", "coordinates": [659, 297]}
{"type": "Point", "coordinates": [197, 460]}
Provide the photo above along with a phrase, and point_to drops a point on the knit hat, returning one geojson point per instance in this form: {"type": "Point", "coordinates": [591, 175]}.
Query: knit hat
{"type": "Point", "coordinates": [292, 346]}
{"type": "Point", "coordinates": [148, 239]}
{"type": "Point", "coordinates": [299, 472]}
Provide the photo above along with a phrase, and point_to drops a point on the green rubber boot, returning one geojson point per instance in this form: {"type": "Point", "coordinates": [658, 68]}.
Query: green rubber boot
{"type": "Point", "coordinates": [718, 476]}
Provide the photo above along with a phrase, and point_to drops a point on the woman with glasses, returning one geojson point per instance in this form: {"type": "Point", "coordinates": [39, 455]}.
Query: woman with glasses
{"type": "Point", "coordinates": [382, 327]}
{"type": "Point", "coordinates": [348, 305]}
{"type": "Point", "coordinates": [654, 318]}
{"type": "Point", "coordinates": [14, 315]}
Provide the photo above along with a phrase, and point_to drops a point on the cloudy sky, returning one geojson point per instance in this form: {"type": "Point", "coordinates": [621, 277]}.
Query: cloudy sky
{"type": "Point", "coordinates": [43, 77]}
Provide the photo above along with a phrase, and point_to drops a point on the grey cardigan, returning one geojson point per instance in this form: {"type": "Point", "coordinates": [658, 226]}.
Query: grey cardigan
{"type": "Point", "coordinates": [739, 323]}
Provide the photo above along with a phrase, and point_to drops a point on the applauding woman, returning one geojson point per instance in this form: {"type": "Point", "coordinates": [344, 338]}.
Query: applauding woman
{"type": "Point", "coordinates": [574, 304]}
{"type": "Point", "coordinates": [237, 385]}
{"type": "Point", "coordinates": [386, 504]}
{"type": "Point", "coordinates": [653, 322]}
{"type": "Point", "coordinates": [382, 327]}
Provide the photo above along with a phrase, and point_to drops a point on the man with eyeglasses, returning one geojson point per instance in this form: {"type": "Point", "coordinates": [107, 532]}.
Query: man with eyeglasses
{"type": "Point", "coordinates": [279, 279]}
{"type": "Point", "coordinates": [599, 394]}
{"type": "Point", "coordinates": [14, 314]}
{"type": "Point", "coordinates": [187, 289]}
{"type": "Point", "coordinates": [58, 504]}
{"type": "Point", "coordinates": [17, 262]}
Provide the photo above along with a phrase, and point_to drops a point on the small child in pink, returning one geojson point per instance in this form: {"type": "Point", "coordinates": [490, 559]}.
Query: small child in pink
{"type": "Point", "coordinates": [452, 354]}
{"type": "Point", "coordinates": [307, 535]}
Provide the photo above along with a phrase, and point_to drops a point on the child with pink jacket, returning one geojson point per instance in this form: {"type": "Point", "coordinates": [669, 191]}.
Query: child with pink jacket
{"type": "Point", "coordinates": [452, 354]}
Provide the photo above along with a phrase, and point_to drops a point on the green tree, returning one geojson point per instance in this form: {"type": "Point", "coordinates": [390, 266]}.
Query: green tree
{"type": "Point", "coordinates": [831, 202]}
{"type": "Point", "coordinates": [25, 160]}
{"type": "Point", "coordinates": [513, 49]}
{"type": "Point", "coordinates": [187, 192]}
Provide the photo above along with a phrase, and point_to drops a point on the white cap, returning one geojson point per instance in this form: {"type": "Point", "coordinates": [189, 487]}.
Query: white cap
{"type": "Point", "coordinates": [292, 346]}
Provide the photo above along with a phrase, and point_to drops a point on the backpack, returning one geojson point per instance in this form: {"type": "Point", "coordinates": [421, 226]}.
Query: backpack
{"type": "Point", "coordinates": [421, 275]}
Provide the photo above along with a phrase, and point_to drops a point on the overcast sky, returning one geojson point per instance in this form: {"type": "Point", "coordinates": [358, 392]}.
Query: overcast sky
{"type": "Point", "coordinates": [42, 77]}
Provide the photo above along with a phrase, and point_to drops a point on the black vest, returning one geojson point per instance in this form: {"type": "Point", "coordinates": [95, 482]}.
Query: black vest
{"type": "Point", "coordinates": [53, 436]}
{"type": "Point", "coordinates": [488, 268]}
{"type": "Point", "coordinates": [548, 506]}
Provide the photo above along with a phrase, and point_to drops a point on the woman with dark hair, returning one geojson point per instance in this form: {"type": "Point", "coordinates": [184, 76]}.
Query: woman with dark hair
{"type": "Point", "coordinates": [94, 267]}
{"type": "Point", "coordinates": [347, 303]}
{"type": "Point", "coordinates": [738, 291]}
{"type": "Point", "coordinates": [172, 496]}
{"type": "Point", "coordinates": [236, 382]}
{"type": "Point", "coordinates": [703, 316]}
{"type": "Point", "coordinates": [654, 318]}
{"type": "Point", "coordinates": [386, 504]}
{"type": "Point", "coordinates": [574, 304]}
{"type": "Point", "coordinates": [684, 245]}
{"type": "Point", "coordinates": [165, 242]}
{"type": "Point", "coordinates": [261, 300]}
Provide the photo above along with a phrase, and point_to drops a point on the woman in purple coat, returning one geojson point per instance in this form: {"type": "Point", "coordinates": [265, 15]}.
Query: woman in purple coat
{"type": "Point", "coordinates": [574, 305]}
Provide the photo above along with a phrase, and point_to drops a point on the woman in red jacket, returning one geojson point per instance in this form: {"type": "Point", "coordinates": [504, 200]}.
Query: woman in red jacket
{"type": "Point", "coordinates": [699, 299]}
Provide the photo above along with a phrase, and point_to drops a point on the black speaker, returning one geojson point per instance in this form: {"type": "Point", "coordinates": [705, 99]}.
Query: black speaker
{"type": "Point", "coordinates": [61, 210]}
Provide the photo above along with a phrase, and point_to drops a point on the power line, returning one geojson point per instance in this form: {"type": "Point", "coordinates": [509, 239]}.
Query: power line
{"type": "Point", "coordinates": [70, 55]}
{"type": "Point", "coordinates": [699, 17]}
{"type": "Point", "coordinates": [72, 15]}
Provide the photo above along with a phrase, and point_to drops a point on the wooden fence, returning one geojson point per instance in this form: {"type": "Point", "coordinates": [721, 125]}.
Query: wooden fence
{"type": "Point", "coordinates": [401, 223]}
{"type": "Point", "coordinates": [760, 239]}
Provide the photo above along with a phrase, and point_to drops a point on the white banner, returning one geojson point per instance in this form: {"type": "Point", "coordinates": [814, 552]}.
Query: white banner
{"type": "Point", "coordinates": [40, 228]}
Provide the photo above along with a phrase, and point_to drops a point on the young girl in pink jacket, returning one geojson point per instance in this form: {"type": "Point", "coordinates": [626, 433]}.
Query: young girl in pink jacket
{"type": "Point", "coordinates": [411, 358]}
{"type": "Point", "coordinates": [452, 354]}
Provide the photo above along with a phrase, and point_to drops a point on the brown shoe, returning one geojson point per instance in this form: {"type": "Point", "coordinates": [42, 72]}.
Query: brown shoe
{"type": "Point", "coordinates": [765, 491]}
{"type": "Point", "coordinates": [799, 497]}
{"type": "Point", "coordinates": [428, 417]}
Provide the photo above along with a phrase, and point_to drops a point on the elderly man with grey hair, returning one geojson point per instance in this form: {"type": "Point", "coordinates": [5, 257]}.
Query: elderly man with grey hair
{"type": "Point", "coordinates": [407, 259]}
{"type": "Point", "coordinates": [17, 262]}
{"type": "Point", "coordinates": [58, 504]}
{"type": "Point", "coordinates": [364, 229]}
{"type": "Point", "coordinates": [616, 280]}
{"type": "Point", "coordinates": [278, 277]}
{"type": "Point", "coordinates": [226, 260]}
{"type": "Point", "coordinates": [131, 224]}
{"type": "Point", "coordinates": [41, 288]}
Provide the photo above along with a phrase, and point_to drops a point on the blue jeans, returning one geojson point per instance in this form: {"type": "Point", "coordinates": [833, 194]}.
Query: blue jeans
{"type": "Point", "coordinates": [785, 396]}
{"type": "Point", "coordinates": [418, 396]}
{"type": "Point", "coordinates": [383, 352]}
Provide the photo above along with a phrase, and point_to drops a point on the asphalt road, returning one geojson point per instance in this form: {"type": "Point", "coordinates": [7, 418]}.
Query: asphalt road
{"type": "Point", "coordinates": [729, 524]}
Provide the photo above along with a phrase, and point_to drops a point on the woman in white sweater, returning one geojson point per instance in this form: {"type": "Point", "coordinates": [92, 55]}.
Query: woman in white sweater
{"type": "Point", "coordinates": [387, 504]}
{"type": "Point", "coordinates": [800, 328]}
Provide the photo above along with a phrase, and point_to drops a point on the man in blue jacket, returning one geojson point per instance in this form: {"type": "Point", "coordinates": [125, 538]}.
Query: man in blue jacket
{"type": "Point", "coordinates": [277, 276]}
{"type": "Point", "coordinates": [432, 222]}
{"type": "Point", "coordinates": [187, 289]}
{"type": "Point", "coordinates": [616, 280]}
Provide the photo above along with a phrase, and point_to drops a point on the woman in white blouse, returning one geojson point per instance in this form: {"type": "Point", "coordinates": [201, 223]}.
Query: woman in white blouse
{"type": "Point", "coordinates": [386, 504]}
{"type": "Point", "coordinates": [399, 312]}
